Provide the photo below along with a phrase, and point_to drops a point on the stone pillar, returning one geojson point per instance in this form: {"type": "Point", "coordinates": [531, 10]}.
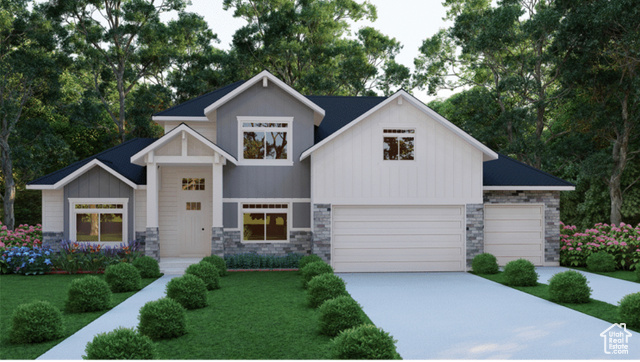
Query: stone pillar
{"type": "Point", "coordinates": [152, 243]}
{"type": "Point", "coordinates": [552, 228]}
{"type": "Point", "coordinates": [52, 239]}
{"type": "Point", "coordinates": [321, 243]}
{"type": "Point", "coordinates": [217, 241]}
{"type": "Point", "coordinates": [475, 231]}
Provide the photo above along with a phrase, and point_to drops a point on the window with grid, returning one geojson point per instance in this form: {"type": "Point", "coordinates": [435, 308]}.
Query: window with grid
{"type": "Point", "coordinates": [265, 222]}
{"type": "Point", "coordinates": [398, 144]}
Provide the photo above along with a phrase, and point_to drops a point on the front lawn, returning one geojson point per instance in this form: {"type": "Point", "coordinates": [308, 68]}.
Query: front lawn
{"type": "Point", "coordinates": [627, 275]}
{"type": "Point", "coordinates": [255, 315]}
{"type": "Point", "coordinates": [19, 289]}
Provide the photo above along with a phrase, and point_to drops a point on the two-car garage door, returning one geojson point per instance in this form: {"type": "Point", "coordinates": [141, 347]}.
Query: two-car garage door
{"type": "Point", "coordinates": [398, 238]}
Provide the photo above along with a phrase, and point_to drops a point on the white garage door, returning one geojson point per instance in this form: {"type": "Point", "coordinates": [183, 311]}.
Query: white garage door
{"type": "Point", "coordinates": [398, 238]}
{"type": "Point", "coordinates": [514, 231]}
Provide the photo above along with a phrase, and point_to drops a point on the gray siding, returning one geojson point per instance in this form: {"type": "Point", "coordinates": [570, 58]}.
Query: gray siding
{"type": "Point", "coordinates": [266, 181]}
{"type": "Point", "coordinates": [301, 215]}
{"type": "Point", "coordinates": [98, 183]}
{"type": "Point", "coordinates": [230, 215]}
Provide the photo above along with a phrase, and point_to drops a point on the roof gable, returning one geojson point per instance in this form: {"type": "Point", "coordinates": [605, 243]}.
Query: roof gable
{"type": "Point", "coordinates": [506, 173]}
{"type": "Point", "coordinates": [194, 108]}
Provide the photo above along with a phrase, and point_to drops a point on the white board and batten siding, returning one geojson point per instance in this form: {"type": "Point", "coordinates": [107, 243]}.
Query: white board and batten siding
{"type": "Point", "coordinates": [398, 238]}
{"type": "Point", "coordinates": [514, 231]}
{"type": "Point", "coordinates": [205, 128]}
{"type": "Point", "coordinates": [350, 169]}
{"type": "Point", "coordinates": [140, 209]}
{"type": "Point", "coordinates": [52, 210]}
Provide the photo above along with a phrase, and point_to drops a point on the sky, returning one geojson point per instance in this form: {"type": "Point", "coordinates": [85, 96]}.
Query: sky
{"type": "Point", "coordinates": [409, 21]}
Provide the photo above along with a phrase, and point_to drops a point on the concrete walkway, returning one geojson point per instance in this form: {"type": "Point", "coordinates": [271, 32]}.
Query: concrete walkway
{"type": "Point", "coordinates": [463, 316]}
{"type": "Point", "coordinates": [124, 314]}
{"type": "Point", "coordinates": [606, 289]}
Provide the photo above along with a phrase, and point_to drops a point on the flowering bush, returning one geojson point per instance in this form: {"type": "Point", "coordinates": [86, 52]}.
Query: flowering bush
{"type": "Point", "coordinates": [623, 242]}
{"type": "Point", "coordinates": [23, 235]}
{"type": "Point", "coordinates": [75, 256]}
{"type": "Point", "coordinates": [27, 261]}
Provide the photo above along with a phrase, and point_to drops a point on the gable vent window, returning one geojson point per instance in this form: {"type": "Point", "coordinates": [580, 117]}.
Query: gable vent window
{"type": "Point", "coordinates": [265, 223]}
{"type": "Point", "coordinates": [398, 144]}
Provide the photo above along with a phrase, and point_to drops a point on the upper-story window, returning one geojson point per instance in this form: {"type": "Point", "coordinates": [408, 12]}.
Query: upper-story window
{"type": "Point", "coordinates": [398, 143]}
{"type": "Point", "coordinates": [265, 140]}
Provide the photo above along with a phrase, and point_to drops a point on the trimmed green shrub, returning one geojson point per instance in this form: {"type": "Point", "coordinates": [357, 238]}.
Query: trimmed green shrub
{"type": "Point", "coordinates": [324, 287]}
{"type": "Point", "coordinates": [162, 318]}
{"type": "Point", "coordinates": [314, 269]}
{"type": "Point", "coordinates": [569, 287]}
{"type": "Point", "coordinates": [308, 259]}
{"type": "Point", "coordinates": [35, 322]}
{"type": "Point", "coordinates": [218, 262]}
{"type": "Point", "coordinates": [147, 266]}
{"type": "Point", "coordinates": [638, 272]}
{"type": "Point", "coordinates": [630, 309]}
{"type": "Point", "coordinates": [257, 261]}
{"type": "Point", "coordinates": [88, 294]}
{"type": "Point", "coordinates": [122, 277]}
{"type": "Point", "coordinates": [340, 313]}
{"type": "Point", "coordinates": [520, 273]}
{"type": "Point", "coordinates": [188, 290]}
{"type": "Point", "coordinates": [207, 272]}
{"type": "Point", "coordinates": [485, 263]}
{"type": "Point", "coordinates": [601, 262]}
{"type": "Point", "coordinates": [121, 343]}
{"type": "Point", "coordinates": [364, 342]}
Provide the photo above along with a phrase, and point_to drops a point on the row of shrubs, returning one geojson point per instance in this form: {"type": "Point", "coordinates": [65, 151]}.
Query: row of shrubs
{"type": "Point", "coordinates": [341, 316]}
{"type": "Point", "coordinates": [257, 261]}
{"type": "Point", "coordinates": [564, 287]}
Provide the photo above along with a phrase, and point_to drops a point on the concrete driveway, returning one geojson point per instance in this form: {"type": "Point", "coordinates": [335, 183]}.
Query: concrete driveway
{"type": "Point", "coordinates": [462, 316]}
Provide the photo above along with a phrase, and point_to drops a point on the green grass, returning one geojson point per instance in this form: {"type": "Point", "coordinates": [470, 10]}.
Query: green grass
{"type": "Point", "coordinates": [627, 275]}
{"type": "Point", "coordinates": [595, 308]}
{"type": "Point", "coordinates": [255, 315]}
{"type": "Point", "coordinates": [20, 289]}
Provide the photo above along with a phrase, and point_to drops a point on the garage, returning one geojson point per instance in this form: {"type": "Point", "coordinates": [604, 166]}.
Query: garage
{"type": "Point", "coordinates": [514, 231]}
{"type": "Point", "coordinates": [398, 238]}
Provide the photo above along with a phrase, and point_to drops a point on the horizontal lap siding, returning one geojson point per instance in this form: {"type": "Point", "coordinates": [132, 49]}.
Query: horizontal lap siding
{"type": "Point", "coordinates": [515, 231]}
{"type": "Point", "coordinates": [52, 210]}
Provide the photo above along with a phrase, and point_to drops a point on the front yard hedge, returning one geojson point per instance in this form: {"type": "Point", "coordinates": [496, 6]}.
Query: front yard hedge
{"type": "Point", "coordinates": [163, 318]}
{"type": "Point", "coordinates": [188, 290]}
{"type": "Point", "coordinates": [207, 272]}
{"type": "Point", "coordinates": [121, 343]}
{"type": "Point", "coordinates": [122, 277]}
{"type": "Point", "coordinates": [36, 322]}
{"type": "Point", "coordinates": [485, 263]}
{"type": "Point", "coordinates": [314, 269]}
{"type": "Point", "coordinates": [88, 294]}
{"type": "Point", "coordinates": [630, 309]}
{"type": "Point", "coordinates": [340, 313]}
{"type": "Point", "coordinates": [364, 342]}
{"type": "Point", "coordinates": [569, 287]}
{"type": "Point", "coordinates": [324, 287]}
{"type": "Point", "coordinates": [520, 273]}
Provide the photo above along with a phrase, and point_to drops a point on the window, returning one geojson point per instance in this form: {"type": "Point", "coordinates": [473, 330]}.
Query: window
{"type": "Point", "coordinates": [265, 222]}
{"type": "Point", "coordinates": [398, 144]}
{"type": "Point", "coordinates": [265, 140]}
{"type": "Point", "coordinates": [98, 221]}
{"type": "Point", "coordinates": [193, 184]}
{"type": "Point", "coordinates": [194, 206]}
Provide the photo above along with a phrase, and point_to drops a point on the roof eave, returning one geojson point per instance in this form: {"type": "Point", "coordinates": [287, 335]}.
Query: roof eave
{"type": "Point", "coordinates": [528, 188]}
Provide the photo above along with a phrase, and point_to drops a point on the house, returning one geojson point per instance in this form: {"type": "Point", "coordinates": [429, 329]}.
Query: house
{"type": "Point", "coordinates": [367, 183]}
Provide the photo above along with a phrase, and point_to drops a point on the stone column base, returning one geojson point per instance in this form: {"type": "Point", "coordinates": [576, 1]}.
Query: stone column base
{"type": "Point", "coordinates": [217, 241]}
{"type": "Point", "coordinates": [321, 243]}
{"type": "Point", "coordinates": [152, 243]}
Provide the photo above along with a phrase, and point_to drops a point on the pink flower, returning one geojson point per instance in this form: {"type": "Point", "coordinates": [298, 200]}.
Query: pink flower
{"type": "Point", "coordinates": [565, 247]}
{"type": "Point", "coordinates": [578, 249]}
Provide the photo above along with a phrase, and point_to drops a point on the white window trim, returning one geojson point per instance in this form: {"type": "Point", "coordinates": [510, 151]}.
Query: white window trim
{"type": "Point", "coordinates": [102, 200]}
{"type": "Point", "coordinates": [403, 127]}
{"type": "Point", "coordinates": [279, 211]}
{"type": "Point", "coordinates": [264, 162]}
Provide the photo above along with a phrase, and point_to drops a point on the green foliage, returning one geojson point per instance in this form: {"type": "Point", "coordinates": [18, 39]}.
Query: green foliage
{"type": "Point", "coordinates": [307, 259]}
{"type": "Point", "coordinates": [188, 290]}
{"type": "Point", "coordinates": [218, 262]}
{"type": "Point", "coordinates": [638, 272]}
{"type": "Point", "coordinates": [313, 269]}
{"type": "Point", "coordinates": [601, 262]}
{"type": "Point", "coordinates": [338, 314]}
{"type": "Point", "coordinates": [569, 287]}
{"type": "Point", "coordinates": [121, 343]}
{"type": "Point", "coordinates": [324, 287]}
{"type": "Point", "coordinates": [256, 261]}
{"type": "Point", "coordinates": [622, 242]}
{"type": "Point", "coordinates": [520, 273]}
{"type": "Point", "coordinates": [36, 322]}
{"type": "Point", "coordinates": [122, 277]}
{"type": "Point", "coordinates": [163, 318]}
{"type": "Point", "coordinates": [147, 266]}
{"type": "Point", "coordinates": [485, 263]}
{"type": "Point", "coordinates": [364, 342]}
{"type": "Point", "coordinates": [88, 294]}
{"type": "Point", "coordinates": [207, 272]}
{"type": "Point", "coordinates": [630, 309]}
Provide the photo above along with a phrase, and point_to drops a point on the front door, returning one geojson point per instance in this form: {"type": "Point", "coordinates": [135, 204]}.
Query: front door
{"type": "Point", "coordinates": [194, 213]}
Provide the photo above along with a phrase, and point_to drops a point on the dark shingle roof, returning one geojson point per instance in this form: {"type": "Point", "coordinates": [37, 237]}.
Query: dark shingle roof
{"type": "Point", "coordinates": [195, 107]}
{"type": "Point", "coordinates": [506, 171]}
{"type": "Point", "coordinates": [117, 158]}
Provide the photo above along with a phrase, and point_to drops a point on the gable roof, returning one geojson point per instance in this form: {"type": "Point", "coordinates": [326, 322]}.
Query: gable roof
{"type": "Point", "coordinates": [195, 107]}
{"type": "Point", "coordinates": [506, 173]}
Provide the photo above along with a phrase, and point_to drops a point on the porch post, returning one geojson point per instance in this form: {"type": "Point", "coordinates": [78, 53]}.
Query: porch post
{"type": "Point", "coordinates": [217, 230]}
{"type": "Point", "coordinates": [152, 241]}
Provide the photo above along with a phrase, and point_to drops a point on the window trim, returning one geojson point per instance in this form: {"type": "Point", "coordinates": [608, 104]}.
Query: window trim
{"type": "Point", "coordinates": [241, 212]}
{"type": "Point", "coordinates": [398, 135]}
{"type": "Point", "coordinates": [265, 162]}
{"type": "Point", "coordinates": [100, 200]}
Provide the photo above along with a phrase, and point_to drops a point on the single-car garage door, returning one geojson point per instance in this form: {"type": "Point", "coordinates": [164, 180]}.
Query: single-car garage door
{"type": "Point", "coordinates": [514, 231]}
{"type": "Point", "coordinates": [398, 238]}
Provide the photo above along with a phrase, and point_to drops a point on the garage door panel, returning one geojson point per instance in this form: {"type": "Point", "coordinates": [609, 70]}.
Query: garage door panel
{"type": "Point", "coordinates": [397, 225]}
{"type": "Point", "coordinates": [398, 255]}
{"type": "Point", "coordinates": [432, 266]}
{"type": "Point", "coordinates": [513, 212]}
{"type": "Point", "coordinates": [372, 232]}
{"type": "Point", "coordinates": [515, 231]}
{"type": "Point", "coordinates": [507, 239]}
{"type": "Point", "coordinates": [508, 225]}
{"type": "Point", "coordinates": [394, 239]}
{"type": "Point", "coordinates": [382, 211]}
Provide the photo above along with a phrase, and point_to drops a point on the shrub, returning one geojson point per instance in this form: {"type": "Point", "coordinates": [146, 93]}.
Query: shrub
{"type": "Point", "coordinates": [147, 266]}
{"type": "Point", "coordinates": [569, 287]}
{"type": "Point", "coordinates": [340, 313]}
{"type": "Point", "coordinates": [307, 259]}
{"type": "Point", "coordinates": [630, 309]}
{"type": "Point", "coordinates": [485, 263]}
{"type": "Point", "coordinates": [162, 318]}
{"type": "Point", "coordinates": [36, 322]}
{"type": "Point", "coordinates": [520, 273]}
{"type": "Point", "coordinates": [207, 272]}
{"type": "Point", "coordinates": [601, 262]}
{"type": "Point", "coordinates": [256, 261]}
{"type": "Point", "coordinates": [90, 257]}
{"type": "Point", "coordinates": [88, 294]}
{"type": "Point", "coordinates": [314, 269]}
{"type": "Point", "coordinates": [188, 290]}
{"type": "Point", "coordinates": [324, 287]}
{"type": "Point", "coordinates": [122, 277]}
{"type": "Point", "coordinates": [27, 261]}
{"type": "Point", "coordinates": [121, 343]}
{"type": "Point", "coordinates": [364, 342]}
{"type": "Point", "coordinates": [218, 262]}
{"type": "Point", "coordinates": [29, 236]}
{"type": "Point", "coordinates": [638, 272]}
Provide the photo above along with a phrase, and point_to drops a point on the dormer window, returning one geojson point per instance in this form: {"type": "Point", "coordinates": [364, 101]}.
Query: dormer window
{"type": "Point", "coordinates": [398, 144]}
{"type": "Point", "coordinates": [265, 140]}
